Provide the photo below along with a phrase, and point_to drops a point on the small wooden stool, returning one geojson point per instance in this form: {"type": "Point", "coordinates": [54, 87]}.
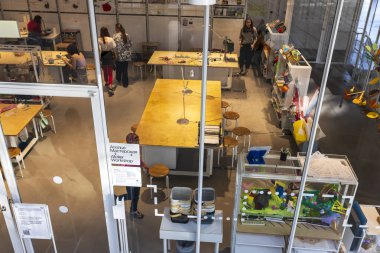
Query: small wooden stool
{"type": "Point", "coordinates": [230, 115]}
{"type": "Point", "coordinates": [15, 154]}
{"type": "Point", "coordinates": [158, 171]}
{"type": "Point", "coordinates": [242, 131]}
{"type": "Point", "coordinates": [229, 142]}
{"type": "Point", "coordinates": [134, 127]}
{"type": "Point", "coordinates": [139, 65]}
{"type": "Point", "coordinates": [48, 114]}
{"type": "Point", "coordinates": [225, 105]}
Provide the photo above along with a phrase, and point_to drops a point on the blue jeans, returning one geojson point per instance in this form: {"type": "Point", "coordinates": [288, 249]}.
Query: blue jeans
{"type": "Point", "coordinates": [133, 194]}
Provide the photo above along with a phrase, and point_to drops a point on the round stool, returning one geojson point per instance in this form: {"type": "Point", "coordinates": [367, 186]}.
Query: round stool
{"type": "Point", "coordinates": [15, 154]}
{"type": "Point", "coordinates": [229, 142]}
{"type": "Point", "coordinates": [48, 114]}
{"type": "Point", "coordinates": [230, 115]}
{"type": "Point", "coordinates": [242, 131]}
{"type": "Point", "coordinates": [158, 171]}
{"type": "Point", "coordinates": [139, 65]}
{"type": "Point", "coordinates": [225, 105]}
{"type": "Point", "coordinates": [134, 127]}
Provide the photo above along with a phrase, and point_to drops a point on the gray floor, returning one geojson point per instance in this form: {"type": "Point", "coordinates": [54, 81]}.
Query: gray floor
{"type": "Point", "coordinates": [71, 154]}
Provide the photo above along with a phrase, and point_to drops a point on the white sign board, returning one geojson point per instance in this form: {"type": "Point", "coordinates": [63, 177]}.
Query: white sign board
{"type": "Point", "coordinates": [33, 221]}
{"type": "Point", "coordinates": [124, 154]}
{"type": "Point", "coordinates": [9, 29]}
{"type": "Point", "coordinates": [126, 176]}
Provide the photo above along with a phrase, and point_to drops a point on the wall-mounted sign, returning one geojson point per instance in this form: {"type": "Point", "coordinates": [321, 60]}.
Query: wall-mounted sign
{"type": "Point", "coordinates": [124, 154]}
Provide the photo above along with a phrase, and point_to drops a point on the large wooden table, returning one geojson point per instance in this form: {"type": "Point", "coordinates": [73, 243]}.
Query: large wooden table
{"type": "Point", "coordinates": [15, 121]}
{"type": "Point", "coordinates": [193, 60]}
{"type": "Point", "coordinates": [9, 58]}
{"type": "Point", "coordinates": [57, 60]}
{"type": "Point", "coordinates": [161, 135]}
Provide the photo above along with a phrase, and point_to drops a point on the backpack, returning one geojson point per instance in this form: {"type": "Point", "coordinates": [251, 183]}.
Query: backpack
{"type": "Point", "coordinates": [132, 138]}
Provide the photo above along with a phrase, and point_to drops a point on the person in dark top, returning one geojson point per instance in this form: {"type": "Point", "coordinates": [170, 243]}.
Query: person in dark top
{"type": "Point", "coordinates": [247, 38]}
{"type": "Point", "coordinates": [35, 31]}
{"type": "Point", "coordinates": [258, 49]}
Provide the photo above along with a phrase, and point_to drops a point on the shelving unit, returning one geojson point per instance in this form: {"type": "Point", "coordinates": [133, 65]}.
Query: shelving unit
{"type": "Point", "coordinates": [266, 231]}
{"type": "Point", "coordinates": [276, 39]}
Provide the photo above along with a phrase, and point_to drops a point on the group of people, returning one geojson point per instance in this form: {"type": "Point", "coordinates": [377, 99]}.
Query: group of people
{"type": "Point", "coordinates": [115, 52]}
{"type": "Point", "coordinates": [251, 46]}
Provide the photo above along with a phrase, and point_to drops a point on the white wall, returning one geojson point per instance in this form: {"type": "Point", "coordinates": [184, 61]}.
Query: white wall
{"type": "Point", "coordinates": [165, 31]}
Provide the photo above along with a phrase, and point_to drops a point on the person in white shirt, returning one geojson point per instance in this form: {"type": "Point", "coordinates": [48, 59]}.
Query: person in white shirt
{"type": "Point", "coordinates": [106, 47]}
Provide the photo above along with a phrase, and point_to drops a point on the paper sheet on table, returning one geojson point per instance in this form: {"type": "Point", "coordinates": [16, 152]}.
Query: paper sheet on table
{"type": "Point", "coordinates": [324, 167]}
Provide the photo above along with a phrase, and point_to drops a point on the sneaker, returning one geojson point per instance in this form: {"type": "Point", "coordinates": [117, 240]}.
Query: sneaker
{"type": "Point", "coordinates": [111, 92]}
{"type": "Point", "coordinates": [137, 214]}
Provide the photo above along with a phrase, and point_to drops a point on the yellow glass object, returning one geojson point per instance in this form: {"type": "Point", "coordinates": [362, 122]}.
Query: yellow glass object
{"type": "Point", "coordinates": [372, 115]}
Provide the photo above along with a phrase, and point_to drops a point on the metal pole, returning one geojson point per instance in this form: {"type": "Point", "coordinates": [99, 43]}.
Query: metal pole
{"type": "Point", "coordinates": [179, 25]}
{"type": "Point", "coordinates": [30, 10]}
{"type": "Point", "coordinates": [2, 11]}
{"type": "Point", "coordinates": [202, 124]}
{"type": "Point", "coordinates": [11, 182]}
{"type": "Point", "coordinates": [117, 10]}
{"type": "Point", "coordinates": [5, 209]}
{"type": "Point", "coordinates": [211, 28]}
{"type": "Point", "coordinates": [101, 135]}
{"type": "Point", "coordinates": [354, 28]}
{"type": "Point", "coordinates": [147, 21]}
{"type": "Point", "coordinates": [325, 76]}
{"type": "Point", "coordinates": [57, 2]}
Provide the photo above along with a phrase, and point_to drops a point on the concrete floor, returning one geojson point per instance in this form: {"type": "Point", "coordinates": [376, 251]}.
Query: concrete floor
{"type": "Point", "coordinates": [71, 154]}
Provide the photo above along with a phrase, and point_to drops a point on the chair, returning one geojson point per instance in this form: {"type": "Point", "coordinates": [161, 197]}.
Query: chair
{"type": "Point", "coordinates": [230, 115]}
{"type": "Point", "coordinates": [15, 155]}
{"type": "Point", "coordinates": [225, 105]}
{"type": "Point", "coordinates": [139, 65]}
{"type": "Point", "coordinates": [48, 114]}
{"type": "Point", "coordinates": [242, 132]}
{"type": "Point", "coordinates": [229, 142]}
{"type": "Point", "coordinates": [158, 171]}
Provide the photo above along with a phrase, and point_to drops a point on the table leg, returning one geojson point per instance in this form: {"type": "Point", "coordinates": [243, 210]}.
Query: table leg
{"type": "Point", "coordinates": [169, 248]}
{"type": "Point", "coordinates": [229, 78]}
{"type": "Point", "coordinates": [61, 74]}
{"type": "Point", "coordinates": [216, 248]}
{"type": "Point", "coordinates": [35, 128]}
{"type": "Point", "coordinates": [209, 161]}
{"type": "Point", "coordinates": [165, 245]}
{"type": "Point", "coordinates": [54, 45]}
{"type": "Point", "coordinates": [155, 71]}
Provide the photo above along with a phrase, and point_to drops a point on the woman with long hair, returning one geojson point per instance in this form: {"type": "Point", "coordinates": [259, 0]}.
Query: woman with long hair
{"type": "Point", "coordinates": [123, 54]}
{"type": "Point", "coordinates": [247, 38]}
{"type": "Point", "coordinates": [76, 63]}
{"type": "Point", "coordinates": [106, 47]}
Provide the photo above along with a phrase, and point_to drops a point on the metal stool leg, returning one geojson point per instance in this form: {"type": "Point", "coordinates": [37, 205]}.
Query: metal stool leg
{"type": "Point", "coordinates": [233, 156]}
{"type": "Point", "coordinates": [249, 142]}
{"type": "Point", "coordinates": [151, 189]}
{"type": "Point", "coordinates": [141, 72]}
{"type": "Point", "coordinates": [53, 123]}
{"type": "Point", "coordinates": [19, 166]}
{"type": "Point", "coordinates": [167, 185]}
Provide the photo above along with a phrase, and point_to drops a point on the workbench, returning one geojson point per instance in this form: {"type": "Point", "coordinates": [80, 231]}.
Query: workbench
{"type": "Point", "coordinates": [170, 60]}
{"type": "Point", "coordinates": [187, 232]}
{"type": "Point", "coordinates": [56, 56]}
{"type": "Point", "coordinates": [15, 121]}
{"type": "Point", "coordinates": [160, 134]}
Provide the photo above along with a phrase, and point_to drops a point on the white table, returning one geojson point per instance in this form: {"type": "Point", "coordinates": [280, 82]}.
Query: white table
{"type": "Point", "coordinates": [187, 232]}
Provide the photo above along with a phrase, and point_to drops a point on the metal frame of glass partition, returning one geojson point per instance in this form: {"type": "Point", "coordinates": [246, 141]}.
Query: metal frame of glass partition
{"type": "Point", "coordinates": [95, 93]}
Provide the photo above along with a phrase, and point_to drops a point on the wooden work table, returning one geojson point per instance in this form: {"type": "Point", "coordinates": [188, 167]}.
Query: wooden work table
{"type": "Point", "coordinates": [161, 136]}
{"type": "Point", "coordinates": [216, 60]}
{"type": "Point", "coordinates": [16, 119]}
{"type": "Point", "coordinates": [9, 58]}
{"type": "Point", "coordinates": [56, 56]}
{"type": "Point", "coordinates": [158, 125]}
{"type": "Point", "coordinates": [177, 64]}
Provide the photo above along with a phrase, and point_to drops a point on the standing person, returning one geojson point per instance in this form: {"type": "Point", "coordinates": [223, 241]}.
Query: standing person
{"type": "Point", "coordinates": [247, 38]}
{"type": "Point", "coordinates": [258, 49]}
{"type": "Point", "coordinates": [123, 54]}
{"type": "Point", "coordinates": [106, 47]}
{"type": "Point", "coordinates": [76, 64]}
{"type": "Point", "coordinates": [35, 31]}
{"type": "Point", "coordinates": [133, 193]}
